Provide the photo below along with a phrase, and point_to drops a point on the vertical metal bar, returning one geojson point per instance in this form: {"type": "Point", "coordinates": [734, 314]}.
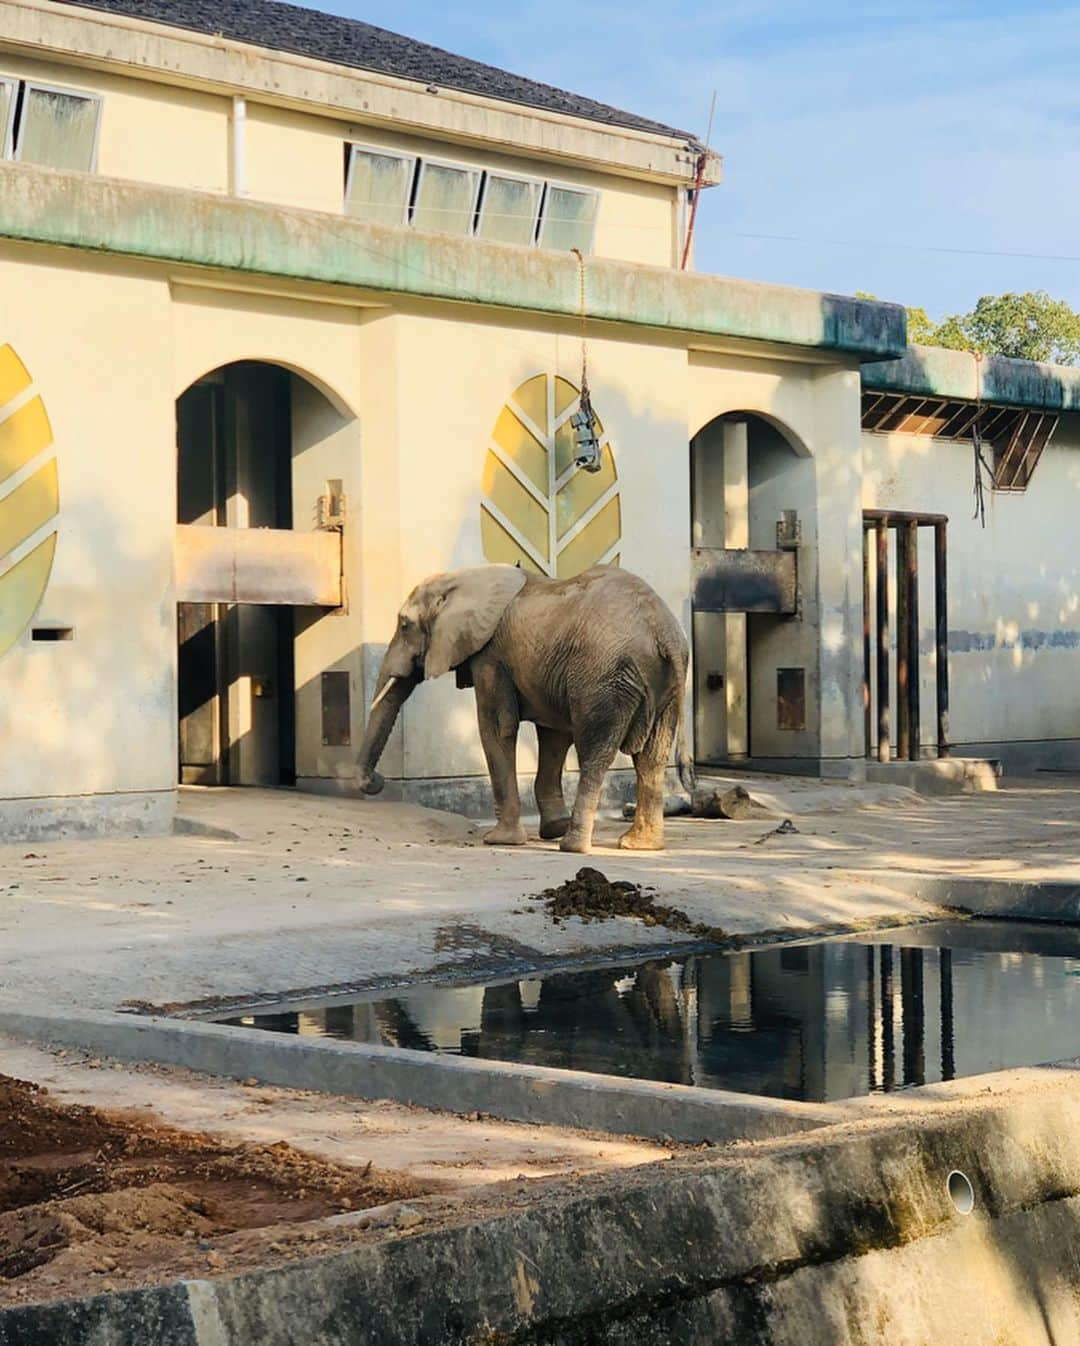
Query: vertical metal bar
{"type": "Point", "coordinates": [911, 579]}
{"type": "Point", "coordinates": [941, 623]}
{"type": "Point", "coordinates": [948, 1041]}
{"type": "Point", "coordinates": [905, 656]}
{"type": "Point", "coordinates": [884, 732]}
{"type": "Point", "coordinates": [867, 622]}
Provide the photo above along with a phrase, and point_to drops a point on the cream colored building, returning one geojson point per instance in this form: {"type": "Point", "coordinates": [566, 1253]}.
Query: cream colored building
{"type": "Point", "coordinates": [292, 317]}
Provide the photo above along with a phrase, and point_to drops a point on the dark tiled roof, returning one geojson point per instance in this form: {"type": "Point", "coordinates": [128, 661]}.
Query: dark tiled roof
{"type": "Point", "coordinates": [327, 37]}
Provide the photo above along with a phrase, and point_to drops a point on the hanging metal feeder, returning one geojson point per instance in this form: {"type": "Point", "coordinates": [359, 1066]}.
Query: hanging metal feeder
{"type": "Point", "coordinates": [586, 437]}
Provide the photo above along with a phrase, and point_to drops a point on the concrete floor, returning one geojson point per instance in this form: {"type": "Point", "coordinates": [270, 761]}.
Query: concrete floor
{"type": "Point", "coordinates": [313, 891]}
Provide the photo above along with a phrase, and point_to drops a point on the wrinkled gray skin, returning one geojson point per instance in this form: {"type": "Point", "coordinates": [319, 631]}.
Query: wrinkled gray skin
{"type": "Point", "coordinates": [597, 662]}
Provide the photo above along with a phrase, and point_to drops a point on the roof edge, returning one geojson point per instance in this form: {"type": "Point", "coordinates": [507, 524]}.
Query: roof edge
{"type": "Point", "coordinates": [932, 371]}
{"type": "Point", "coordinates": [100, 39]}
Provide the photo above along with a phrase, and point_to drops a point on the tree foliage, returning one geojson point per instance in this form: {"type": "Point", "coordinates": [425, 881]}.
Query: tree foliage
{"type": "Point", "coordinates": [1029, 326]}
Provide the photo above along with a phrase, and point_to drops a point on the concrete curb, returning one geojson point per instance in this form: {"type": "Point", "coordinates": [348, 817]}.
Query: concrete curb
{"type": "Point", "coordinates": [1009, 899]}
{"type": "Point", "coordinates": [512, 1092]}
{"type": "Point", "coordinates": [701, 1250]}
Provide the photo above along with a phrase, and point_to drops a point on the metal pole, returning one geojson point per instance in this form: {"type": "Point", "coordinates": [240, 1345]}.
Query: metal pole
{"type": "Point", "coordinates": [941, 623]}
{"type": "Point", "coordinates": [911, 558]}
{"type": "Point", "coordinates": [884, 732]}
{"type": "Point", "coordinates": [867, 725]}
{"type": "Point", "coordinates": [905, 656]}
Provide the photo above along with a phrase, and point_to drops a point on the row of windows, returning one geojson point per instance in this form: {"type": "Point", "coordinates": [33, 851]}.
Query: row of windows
{"type": "Point", "coordinates": [58, 128]}
{"type": "Point", "coordinates": [41, 124]}
{"type": "Point", "coordinates": [390, 188]}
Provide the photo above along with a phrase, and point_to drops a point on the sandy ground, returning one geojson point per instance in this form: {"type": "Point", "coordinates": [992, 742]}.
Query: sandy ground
{"type": "Point", "coordinates": [312, 891]}
{"type": "Point", "coordinates": [433, 1148]}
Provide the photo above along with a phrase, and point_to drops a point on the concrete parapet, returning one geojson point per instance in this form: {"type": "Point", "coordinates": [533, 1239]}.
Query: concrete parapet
{"type": "Point", "coordinates": [840, 1237]}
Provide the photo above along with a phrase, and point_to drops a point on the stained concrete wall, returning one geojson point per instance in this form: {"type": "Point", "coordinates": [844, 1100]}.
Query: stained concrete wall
{"type": "Point", "coordinates": [1014, 594]}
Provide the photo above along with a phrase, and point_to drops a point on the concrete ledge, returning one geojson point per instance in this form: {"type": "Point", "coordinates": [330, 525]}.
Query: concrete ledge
{"type": "Point", "coordinates": [1011, 899]}
{"type": "Point", "coordinates": [513, 1092]}
{"type": "Point", "coordinates": [838, 1237]}
{"type": "Point", "coordinates": [81, 210]}
{"type": "Point", "coordinates": [938, 776]}
{"type": "Point", "coordinates": [932, 372]}
{"type": "Point", "coordinates": [105, 815]}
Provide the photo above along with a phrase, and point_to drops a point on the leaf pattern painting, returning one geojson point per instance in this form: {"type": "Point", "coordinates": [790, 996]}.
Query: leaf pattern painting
{"type": "Point", "coordinates": [539, 510]}
{"type": "Point", "coordinates": [29, 499]}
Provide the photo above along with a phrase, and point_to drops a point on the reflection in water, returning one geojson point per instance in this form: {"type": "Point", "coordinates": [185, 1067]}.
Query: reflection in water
{"type": "Point", "coordinates": [816, 1022]}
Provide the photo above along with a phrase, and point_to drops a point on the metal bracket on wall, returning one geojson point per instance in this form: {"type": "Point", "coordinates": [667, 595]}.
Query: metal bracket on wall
{"type": "Point", "coordinates": [729, 579]}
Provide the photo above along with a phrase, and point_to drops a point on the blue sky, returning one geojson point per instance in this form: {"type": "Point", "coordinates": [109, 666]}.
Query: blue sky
{"type": "Point", "coordinates": [872, 134]}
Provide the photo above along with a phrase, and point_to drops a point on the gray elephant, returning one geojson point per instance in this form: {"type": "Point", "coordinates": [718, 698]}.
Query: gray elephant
{"type": "Point", "coordinates": [597, 662]}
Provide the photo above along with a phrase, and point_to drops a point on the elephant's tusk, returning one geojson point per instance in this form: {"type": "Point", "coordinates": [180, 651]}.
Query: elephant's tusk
{"type": "Point", "coordinates": [386, 687]}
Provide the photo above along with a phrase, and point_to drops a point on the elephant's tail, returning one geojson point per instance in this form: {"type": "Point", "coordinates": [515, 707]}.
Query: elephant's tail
{"type": "Point", "coordinates": [683, 759]}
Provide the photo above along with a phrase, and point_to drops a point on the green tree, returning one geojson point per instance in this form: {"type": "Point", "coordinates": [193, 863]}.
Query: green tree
{"type": "Point", "coordinates": [1029, 326]}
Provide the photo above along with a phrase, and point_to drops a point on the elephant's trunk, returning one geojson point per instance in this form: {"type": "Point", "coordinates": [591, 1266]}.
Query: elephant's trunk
{"type": "Point", "coordinates": [391, 693]}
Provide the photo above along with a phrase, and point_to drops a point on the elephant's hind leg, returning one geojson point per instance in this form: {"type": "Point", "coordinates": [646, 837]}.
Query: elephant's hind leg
{"type": "Point", "coordinates": [647, 831]}
{"type": "Point", "coordinates": [554, 815]}
{"type": "Point", "coordinates": [650, 765]}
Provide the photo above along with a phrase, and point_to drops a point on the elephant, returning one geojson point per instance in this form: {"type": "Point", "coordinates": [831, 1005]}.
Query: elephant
{"type": "Point", "coordinates": [597, 662]}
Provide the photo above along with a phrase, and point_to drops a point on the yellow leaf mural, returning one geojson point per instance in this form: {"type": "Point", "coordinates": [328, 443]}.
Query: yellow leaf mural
{"type": "Point", "coordinates": [539, 510]}
{"type": "Point", "coordinates": [29, 500]}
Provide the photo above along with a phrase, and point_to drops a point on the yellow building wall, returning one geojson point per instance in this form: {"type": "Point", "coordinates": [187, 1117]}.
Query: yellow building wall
{"type": "Point", "coordinates": [150, 132]}
{"type": "Point", "coordinates": [177, 137]}
{"type": "Point", "coordinates": [97, 713]}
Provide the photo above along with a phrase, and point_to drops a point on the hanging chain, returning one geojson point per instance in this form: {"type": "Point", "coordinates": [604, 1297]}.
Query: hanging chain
{"type": "Point", "coordinates": [981, 465]}
{"type": "Point", "coordinates": [582, 312]}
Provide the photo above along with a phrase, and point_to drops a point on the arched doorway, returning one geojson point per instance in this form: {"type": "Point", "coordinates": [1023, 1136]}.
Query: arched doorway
{"type": "Point", "coordinates": [755, 628]}
{"type": "Point", "coordinates": [258, 560]}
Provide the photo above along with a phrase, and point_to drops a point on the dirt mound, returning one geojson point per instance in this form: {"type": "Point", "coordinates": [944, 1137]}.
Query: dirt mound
{"type": "Point", "coordinates": [592, 896]}
{"type": "Point", "coordinates": [85, 1193]}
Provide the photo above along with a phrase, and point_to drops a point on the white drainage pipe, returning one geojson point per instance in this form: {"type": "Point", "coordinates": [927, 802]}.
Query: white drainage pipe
{"type": "Point", "coordinates": [961, 1193]}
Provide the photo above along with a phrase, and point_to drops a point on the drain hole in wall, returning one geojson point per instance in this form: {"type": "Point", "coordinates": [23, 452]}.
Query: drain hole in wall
{"type": "Point", "coordinates": [961, 1192]}
{"type": "Point", "coordinates": [52, 633]}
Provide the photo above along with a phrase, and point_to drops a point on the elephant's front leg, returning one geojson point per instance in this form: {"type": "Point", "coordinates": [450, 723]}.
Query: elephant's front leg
{"type": "Point", "coordinates": [554, 815]}
{"type": "Point", "coordinates": [498, 716]}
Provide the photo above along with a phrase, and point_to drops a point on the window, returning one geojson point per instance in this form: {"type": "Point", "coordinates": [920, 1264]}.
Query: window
{"type": "Point", "coordinates": [446, 198]}
{"type": "Point", "coordinates": [55, 128]}
{"type": "Point", "coordinates": [569, 218]}
{"type": "Point", "coordinates": [509, 208]}
{"type": "Point", "coordinates": [387, 187]}
{"type": "Point", "coordinates": [8, 96]}
{"type": "Point", "coordinates": [379, 186]}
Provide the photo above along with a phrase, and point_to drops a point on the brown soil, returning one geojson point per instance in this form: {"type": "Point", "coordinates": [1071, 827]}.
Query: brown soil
{"type": "Point", "coordinates": [592, 896]}
{"type": "Point", "coordinates": [95, 1200]}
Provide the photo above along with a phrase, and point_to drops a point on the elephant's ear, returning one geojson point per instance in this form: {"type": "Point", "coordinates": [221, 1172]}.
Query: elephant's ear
{"type": "Point", "coordinates": [470, 609]}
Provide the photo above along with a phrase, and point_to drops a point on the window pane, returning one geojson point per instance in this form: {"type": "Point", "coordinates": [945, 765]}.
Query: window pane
{"type": "Point", "coordinates": [446, 199]}
{"type": "Point", "coordinates": [58, 130]}
{"type": "Point", "coordinates": [509, 211]}
{"type": "Point", "coordinates": [568, 219]}
{"type": "Point", "coordinates": [7, 99]}
{"type": "Point", "coordinates": [379, 187]}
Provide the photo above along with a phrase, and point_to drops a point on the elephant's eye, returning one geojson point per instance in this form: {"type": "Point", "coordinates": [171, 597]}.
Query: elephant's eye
{"type": "Point", "coordinates": [405, 623]}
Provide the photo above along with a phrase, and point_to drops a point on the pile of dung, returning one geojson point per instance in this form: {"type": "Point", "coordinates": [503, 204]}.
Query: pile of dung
{"type": "Point", "coordinates": [592, 896]}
